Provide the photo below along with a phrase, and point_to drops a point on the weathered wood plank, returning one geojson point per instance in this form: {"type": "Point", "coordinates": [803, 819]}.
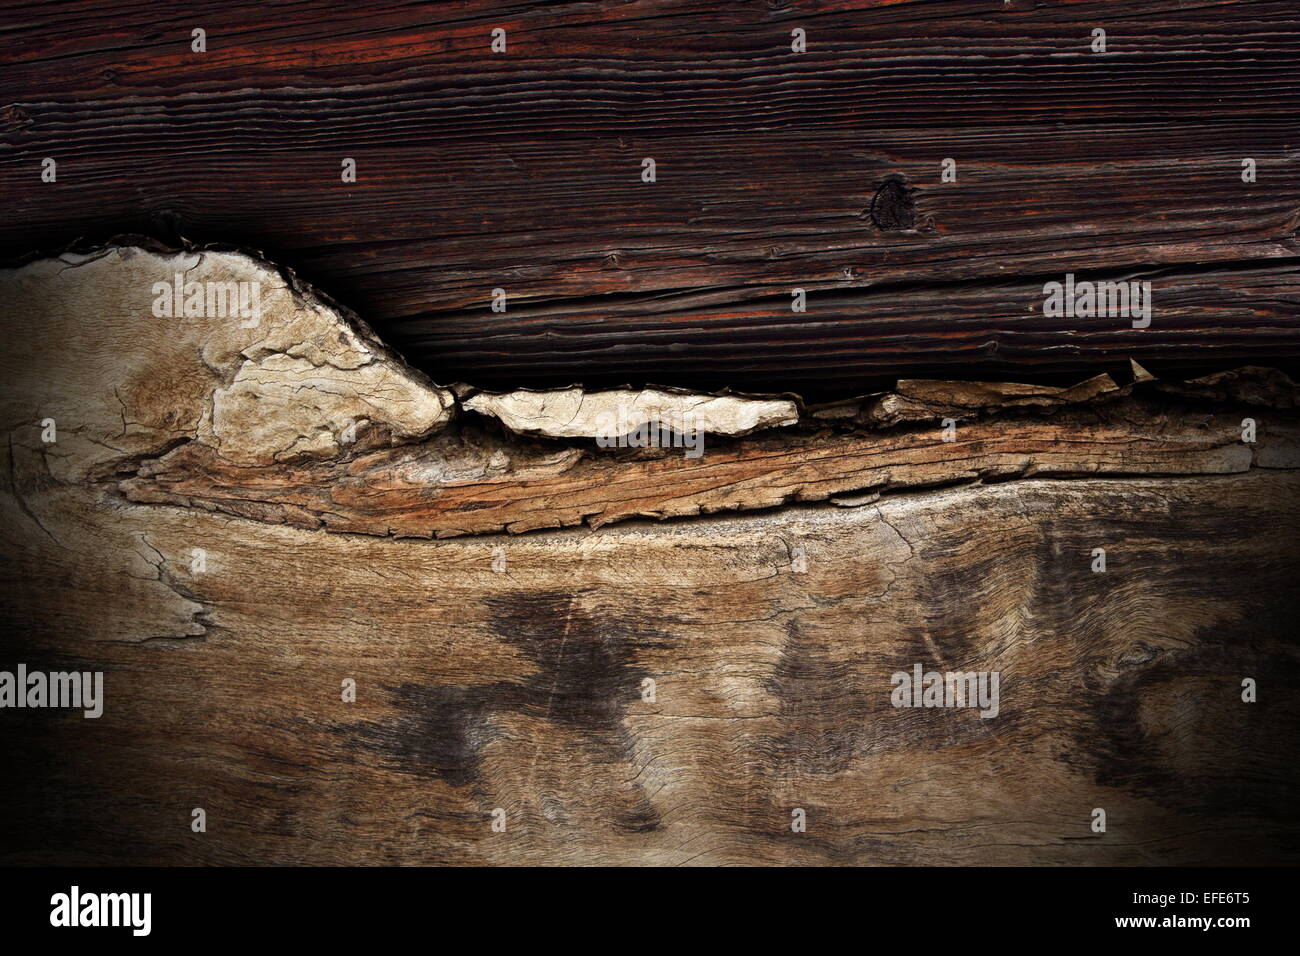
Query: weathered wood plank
{"type": "Point", "coordinates": [523, 690]}
{"type": "Point", "coordinates": [522, 171]}
{"type": "Point", "coordinates": [302, 420]}
{"type": "Point", "coordinates": [509, 672]}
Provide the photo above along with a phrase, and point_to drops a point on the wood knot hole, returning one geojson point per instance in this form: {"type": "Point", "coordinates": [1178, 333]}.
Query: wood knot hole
{"type": "Point", "coordinates": [893, 206]}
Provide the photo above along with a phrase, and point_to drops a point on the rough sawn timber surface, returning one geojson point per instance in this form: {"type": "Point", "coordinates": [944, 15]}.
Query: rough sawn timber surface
{"type": "Point", "coordinates": [508, 671]}
{"type": "Point", "coordinates": [522, 171]}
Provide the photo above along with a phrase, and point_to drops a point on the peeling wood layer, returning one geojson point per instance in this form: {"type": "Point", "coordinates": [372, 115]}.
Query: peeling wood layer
{"type": "Point", "coordinates": [576, 413]}
{"type": "Point", "coordinates": [473, 486]}
{"type": "Point", "coordinates": [131, 370]}
{"type": "Point", "coordinates": [303, 419]}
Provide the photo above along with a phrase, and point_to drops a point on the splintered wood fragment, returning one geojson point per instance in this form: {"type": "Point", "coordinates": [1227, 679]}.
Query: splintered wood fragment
{"type": "Point", "coordinates": [917, 400]}
{"type": "Point", "coordinates": [576, 413]}
{"type": "Point", "coordinates": [1140, 374]}
{"type": "Point", "coordinates": [439, 489]}
{"type": "Point", "coordinates": [201, 346]}
{"type": "Point", "coordinates": [301, 417]}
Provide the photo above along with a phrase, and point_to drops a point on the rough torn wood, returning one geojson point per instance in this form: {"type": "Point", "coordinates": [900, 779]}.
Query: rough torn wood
{"type": "Point", "coordinates": [578, 413]}
{"type": "Point", "coordinates": [508, 671]}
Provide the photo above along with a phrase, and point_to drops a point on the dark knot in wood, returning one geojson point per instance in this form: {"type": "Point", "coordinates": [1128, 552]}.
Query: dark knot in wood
{"type": "Point", "coordinates": [893, 206]}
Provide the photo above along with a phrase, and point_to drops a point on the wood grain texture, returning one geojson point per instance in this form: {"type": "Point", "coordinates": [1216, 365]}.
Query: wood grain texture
{"type": "Point", "coordinates": [522, 171]}
{"type": "Point", "coordinates": [523, 690]}
{"type": "Point", "coordinates": [402, 492]}
{"type": "Point", "coordinates": [508, 671]}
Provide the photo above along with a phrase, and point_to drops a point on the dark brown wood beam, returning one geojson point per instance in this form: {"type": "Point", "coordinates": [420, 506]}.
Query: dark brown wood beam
{"type": "Point", "coordinates": [522, 171]}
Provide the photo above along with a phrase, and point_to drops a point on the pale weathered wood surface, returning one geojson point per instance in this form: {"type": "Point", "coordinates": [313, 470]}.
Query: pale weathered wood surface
{"type": "Point", "coordinates": [507, 670]}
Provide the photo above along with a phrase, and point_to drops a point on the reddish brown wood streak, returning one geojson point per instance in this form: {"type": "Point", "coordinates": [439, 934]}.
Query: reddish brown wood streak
{"type": "Point", "coordinates": [387, 492]}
